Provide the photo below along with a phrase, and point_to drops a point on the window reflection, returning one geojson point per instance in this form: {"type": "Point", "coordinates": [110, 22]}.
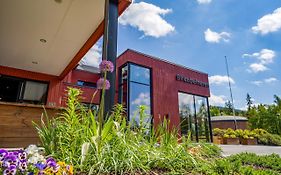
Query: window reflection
{"type": "Point", "coordinates": [187, 114]}
{"type": "Point", "coordinates": [135, 91]}
{"type": "Point", "coordinates": [193, 112]}
{"type": "Point", "coordinates": [139, 95]}
{"type": "Point", "coordinates": [139, 74]}
{"type": "Point", "coordinates": [202, 118]}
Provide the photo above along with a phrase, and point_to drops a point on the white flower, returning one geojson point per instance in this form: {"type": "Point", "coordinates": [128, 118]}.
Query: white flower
{"type": "Point", "coordinates": [35, 158]}
{"type": "Point", "coordinates": [31, 149]}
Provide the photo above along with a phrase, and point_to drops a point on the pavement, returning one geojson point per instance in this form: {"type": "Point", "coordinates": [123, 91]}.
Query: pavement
{"type": "Point", "coordinates": [228, 150]}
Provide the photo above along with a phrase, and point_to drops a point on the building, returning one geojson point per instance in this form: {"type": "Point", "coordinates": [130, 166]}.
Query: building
{"type": "Point", "coordinates": [225, 122]}
{"type": "Point", "coordinates": [39, 54]}
{"type": "Point", "coordinates": [172, 91]}
{"type": "Point", "coordinates": [41, 43]}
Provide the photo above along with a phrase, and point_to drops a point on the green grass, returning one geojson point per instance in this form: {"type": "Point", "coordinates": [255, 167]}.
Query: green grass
{"type": "Point", "coordinates": [119, 147]}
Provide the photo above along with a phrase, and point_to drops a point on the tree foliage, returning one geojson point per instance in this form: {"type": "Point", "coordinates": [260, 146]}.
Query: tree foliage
{"type": "Point", "coordinates": [267, 117]}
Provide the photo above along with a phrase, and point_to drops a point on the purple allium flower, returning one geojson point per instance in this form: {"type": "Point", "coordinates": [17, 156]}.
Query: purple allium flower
{"type": "Point", "coordinates": [10, 159]}
{"type": "Point", "coordinates": [12, 170]}
{"type": "Point", "coordinates": [3, 154]}
{"type": "Point", "coordinates": [23, 166]}
{"type": "Point", "coordinates": [22, 155]}
{"type": "Point", "coordinates": [106, 66]}
{"type": "Point", "coordinates": [100, 83]}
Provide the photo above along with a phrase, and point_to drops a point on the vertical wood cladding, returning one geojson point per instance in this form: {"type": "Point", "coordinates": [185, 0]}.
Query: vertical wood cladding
{"type": "Point", "coordinates": [165, 87]}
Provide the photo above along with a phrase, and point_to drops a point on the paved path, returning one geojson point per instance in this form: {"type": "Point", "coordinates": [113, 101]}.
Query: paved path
{"type": "Point", "coordinates": [260, 150]}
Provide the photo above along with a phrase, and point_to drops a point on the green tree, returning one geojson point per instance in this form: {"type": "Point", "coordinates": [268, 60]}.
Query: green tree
{"type": "Point", "coordinates": [249, 101]}
{"type": "Point", "coordinates": [214, 111]}
{"type": "Point", "coordinates": [228, 108]}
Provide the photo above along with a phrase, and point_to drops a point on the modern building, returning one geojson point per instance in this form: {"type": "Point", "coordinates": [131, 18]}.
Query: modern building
{"type": "Point", "coordinates": [39, 55]}
{"type": "Point", "coordinates": [170, 91]}
{"type": "Point", "coordinates": [177, 93]}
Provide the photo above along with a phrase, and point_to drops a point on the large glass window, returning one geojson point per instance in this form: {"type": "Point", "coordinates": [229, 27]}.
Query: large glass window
{"type": "Point", "coordinates": [13, 89]}
{"type": "Point", "coordinates": [202, 118]}
{"type": "Point", "coordinates": [137, 78]}
{"type": "Point", "coordinates": [193, 112]}
{"type": "Point", "coordinates": [187, 114]}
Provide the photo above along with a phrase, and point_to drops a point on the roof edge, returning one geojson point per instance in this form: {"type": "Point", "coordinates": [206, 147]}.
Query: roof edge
{"type": "Point", "coordinates": [160, 59]}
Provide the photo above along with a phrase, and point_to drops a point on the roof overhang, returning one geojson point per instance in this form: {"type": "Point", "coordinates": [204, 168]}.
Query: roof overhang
{"type": "Point", "coordinates": [49, 36]}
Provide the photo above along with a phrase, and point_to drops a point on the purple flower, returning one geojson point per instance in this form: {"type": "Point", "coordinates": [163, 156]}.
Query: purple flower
{"type": "Point", "coordinates": [23, 166]}
{"type": "Point", "coordinates": [22, 155]}
{"type": "Point", "coordinates": [51, 163]}
{"type": "Point", "coordinates": [100, 83]}
{"type": "Point", "coordinates": [10, 159]}
{"type": "Point", "coordinates": [3, 154]}
{"type": "Point", "coordinates": [106, 66]}
{"type": "Point", "coordinates": [40, 166]}
{"type": "Point", "coordinates": [11, 170]}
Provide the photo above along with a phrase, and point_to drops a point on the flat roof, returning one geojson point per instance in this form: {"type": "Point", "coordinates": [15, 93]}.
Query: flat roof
{"type": "Point", "coordinates": [162, 60]}
{"type": "Point", "coordinates": [228, 118]}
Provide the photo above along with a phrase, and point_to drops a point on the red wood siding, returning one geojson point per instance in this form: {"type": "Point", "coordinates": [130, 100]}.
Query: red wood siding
{"type": "Point", "coordinates": [165, 88]}
{"type": "Point", "coordinates": [57, 87]}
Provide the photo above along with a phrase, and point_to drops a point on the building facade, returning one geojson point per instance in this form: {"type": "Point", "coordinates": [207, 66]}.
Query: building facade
{"type": "Point", "coordinates": [175, 92]}
{"type": "Point", "coordinates": [169, 91]}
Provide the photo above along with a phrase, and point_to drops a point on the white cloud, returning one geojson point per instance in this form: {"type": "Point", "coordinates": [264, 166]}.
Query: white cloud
{"type": "Point", "coordinates": [143, 99]}
{"type": "Point", "coordinates": [267, 80]}
{"type": "Point", "coordinates": [270, 80]}
{"type": "Point", "coordinates": [257, 67]}
{"type": "Point", "coordinates": [217, 100]}
{"type": "Point", "coordinates": [147, 18]}
{"type": "Point", "coordinates": [258, 83]}
{"type": "Point", "coordinates": [214, 37]}
{"type": "Point", "coordinates": [264, 57]}
{"type": "Point", "coordinates": [220, 80]}
{"type": "Point", "coordinates": [269, 23]}
{"type": "Point", "coordinates": [204, 1]}
{"type": "Point", "coordinates": [93, 56]}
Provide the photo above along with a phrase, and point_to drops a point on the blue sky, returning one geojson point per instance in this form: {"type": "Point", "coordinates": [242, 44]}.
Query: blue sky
{"type": "Point", "coordinates": [199, 33]}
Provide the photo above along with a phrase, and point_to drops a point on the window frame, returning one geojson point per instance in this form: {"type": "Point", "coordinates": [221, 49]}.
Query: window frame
{"type": "Point", "coordinates": [21, 91]}
{"type": "Point", "coordinates": [120, 91]}
{"type": "Point", "coordinates": [195, 115]}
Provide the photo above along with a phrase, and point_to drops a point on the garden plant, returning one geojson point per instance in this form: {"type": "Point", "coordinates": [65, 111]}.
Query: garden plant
{"type": "Point", "coordinates": [85, 141]}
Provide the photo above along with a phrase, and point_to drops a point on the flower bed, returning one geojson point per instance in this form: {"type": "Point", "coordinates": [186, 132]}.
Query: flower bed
{"type": "Point", "coordinates": [30, 161]}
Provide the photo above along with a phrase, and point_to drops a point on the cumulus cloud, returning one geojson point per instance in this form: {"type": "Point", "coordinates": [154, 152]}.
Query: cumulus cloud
{"type": "Point", "coordinates": [143, 99]}
{"type": "Point", "coordinates": [93, 56]}
{"type": "Point", "coordinates": [220, 80]}
{"type": "Point", "coordinates": [204, 1]}
{"type": "Point", "coordinates": [147, 18]}
{"type": "Point", "coordinates": [257, 67]}
{"type": "Point", "coordinates": [268, 23]}
{"type": "Point", "coordinates": [214, 37]}
{"type": "Point", "coordinates": [217, 100]}
{"type": "Point", "coordinates": [264, 57]}
{"type": "Point", "coordinates": [269, 80]}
